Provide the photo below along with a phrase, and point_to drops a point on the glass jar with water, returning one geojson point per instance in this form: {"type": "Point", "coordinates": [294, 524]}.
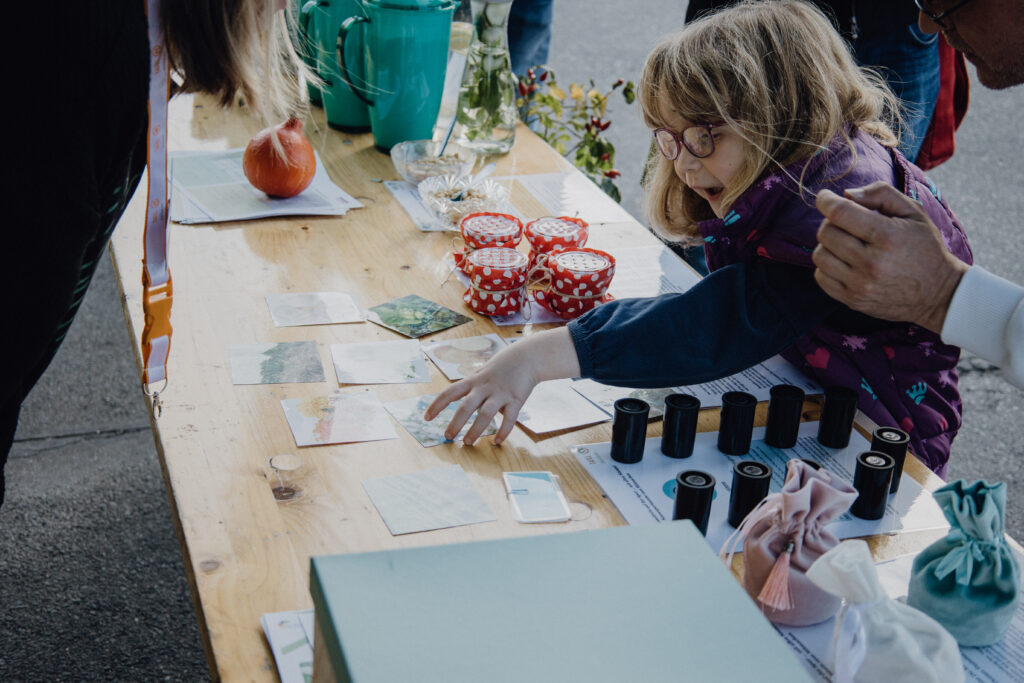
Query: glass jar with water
{"type": "Point", "coordinates": [486, 111]}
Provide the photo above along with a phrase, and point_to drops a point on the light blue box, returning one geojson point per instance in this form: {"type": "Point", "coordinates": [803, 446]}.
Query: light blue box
{"type": "Point", "coordinates": [646, 603]}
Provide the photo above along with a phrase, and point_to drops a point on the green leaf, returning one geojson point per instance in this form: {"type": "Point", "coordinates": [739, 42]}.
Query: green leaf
{"type": "Point", "coordinates": [610, 189]}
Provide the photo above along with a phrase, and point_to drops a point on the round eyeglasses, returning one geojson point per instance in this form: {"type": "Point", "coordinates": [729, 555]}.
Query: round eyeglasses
{"type": "Point", "coordinates": [939, 19]}
{"type": "Point", "coordinates": [697, 140]}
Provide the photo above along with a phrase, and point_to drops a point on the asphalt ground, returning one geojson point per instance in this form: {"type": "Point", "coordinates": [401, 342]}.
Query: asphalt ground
{"type": "Point", "coordinates": [92, 586]}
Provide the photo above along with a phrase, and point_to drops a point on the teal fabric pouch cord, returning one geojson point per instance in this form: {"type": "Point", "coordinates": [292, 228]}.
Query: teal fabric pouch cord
{"type": "Point", "coordinates": [969, 581]}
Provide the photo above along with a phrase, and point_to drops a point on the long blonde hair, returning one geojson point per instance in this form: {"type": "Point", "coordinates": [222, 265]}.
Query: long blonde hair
{"type": "Point", "coordinates": [774, 70]}
{"type": "Point", "coordinates": [237, 48]}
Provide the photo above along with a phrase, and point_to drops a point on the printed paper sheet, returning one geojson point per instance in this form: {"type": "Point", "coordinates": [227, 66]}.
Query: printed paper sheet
{"type": "Point", "coordinates": [645, 492]}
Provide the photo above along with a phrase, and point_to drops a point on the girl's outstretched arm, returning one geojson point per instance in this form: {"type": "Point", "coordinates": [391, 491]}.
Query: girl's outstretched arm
{"type": "Point", "coordinates": [504, 383]}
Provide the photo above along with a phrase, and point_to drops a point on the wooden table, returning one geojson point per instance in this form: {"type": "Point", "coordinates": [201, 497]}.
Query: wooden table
{"type": "Point", "coordinates": [245, 552]}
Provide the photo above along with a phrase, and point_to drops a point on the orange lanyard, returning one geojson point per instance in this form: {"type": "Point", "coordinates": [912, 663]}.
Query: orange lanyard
{"type": "Point", "coordinates": [156, 278]}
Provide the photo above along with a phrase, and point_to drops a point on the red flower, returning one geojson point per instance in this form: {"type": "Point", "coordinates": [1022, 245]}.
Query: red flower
{"type": "Point", "coordinates": [605, 156]}
{"type": "Point", "coordinates": [543, 76]}
{"type": "Point", "coordinates": [522, 88]}
{"type": "Point", "coordinates": [612, 174]}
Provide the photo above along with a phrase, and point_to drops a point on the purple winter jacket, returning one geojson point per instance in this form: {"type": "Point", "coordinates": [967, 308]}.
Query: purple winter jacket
{"type": "Point", "coordinates": [905, 375]}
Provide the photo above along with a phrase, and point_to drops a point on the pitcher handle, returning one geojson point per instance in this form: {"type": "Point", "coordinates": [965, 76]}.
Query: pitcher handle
{"type": "Point", "coordinates": [305, 15]}
{"type": "Point", "coordinates": [342, 32]}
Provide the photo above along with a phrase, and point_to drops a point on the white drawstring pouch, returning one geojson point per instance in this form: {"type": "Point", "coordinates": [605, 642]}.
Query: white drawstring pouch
{"type": "Point", "coordinates": [877, 638]}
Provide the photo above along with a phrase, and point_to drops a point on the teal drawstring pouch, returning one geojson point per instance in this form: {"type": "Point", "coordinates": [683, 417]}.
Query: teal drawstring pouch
{"type": "Point", "coordinates": [969, 581]}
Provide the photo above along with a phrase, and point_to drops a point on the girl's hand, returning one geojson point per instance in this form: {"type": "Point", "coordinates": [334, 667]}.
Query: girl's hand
{"type": "Point", "coordinates": [504, 383]}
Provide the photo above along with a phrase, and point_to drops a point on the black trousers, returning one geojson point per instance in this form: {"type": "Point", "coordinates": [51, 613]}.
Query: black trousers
{"type": "Point", "coordinates": [44, 276]}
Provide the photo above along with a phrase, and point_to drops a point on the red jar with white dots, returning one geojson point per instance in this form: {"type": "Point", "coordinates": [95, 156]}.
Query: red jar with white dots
{"type": "Point", "coordinates": [550, 234]}
{"type": "Point", "coordinates": [497, 280]}
{"type": "Point", "coordinates": [579, 281]}
{"type": "Point", "coordinates": [487, 229]}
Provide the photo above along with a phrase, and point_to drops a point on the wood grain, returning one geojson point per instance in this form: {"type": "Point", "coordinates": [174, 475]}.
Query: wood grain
{"type": "Point", "coordinates": [245, 552]}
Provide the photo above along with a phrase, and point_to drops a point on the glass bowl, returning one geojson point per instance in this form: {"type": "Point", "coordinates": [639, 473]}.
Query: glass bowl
{"type": "Point", "coordinates": [416, 160]}
{"type": "Point", "coordinates": [438, 194]}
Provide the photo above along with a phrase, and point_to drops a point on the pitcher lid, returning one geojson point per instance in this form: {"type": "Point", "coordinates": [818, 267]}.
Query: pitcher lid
{"type": "Point", "coordinates": [411, 4]}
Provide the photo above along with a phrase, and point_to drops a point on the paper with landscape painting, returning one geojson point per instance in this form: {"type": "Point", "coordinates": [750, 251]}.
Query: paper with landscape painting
{"type": "Point", "coordinates": [409, 413]}
{"type": "Point", "coordinates": [275, 363]}
{"type": "Point", "coordinates": [389, 362]}
{"type": "Point", "coordinates": [459, 358]}
{"type": "Point", "coordinates": [338, 418]}
{"type": "Point", "coordinates": [313, 308]}
{"type": "Point", "coordinates": [415, 316]}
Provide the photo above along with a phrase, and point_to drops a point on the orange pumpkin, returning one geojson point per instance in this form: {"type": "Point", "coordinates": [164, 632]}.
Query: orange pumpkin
{"type": "Point", "coordinates": [277, 175]}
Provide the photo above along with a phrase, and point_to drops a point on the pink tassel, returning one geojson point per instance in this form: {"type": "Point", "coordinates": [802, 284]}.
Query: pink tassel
{"type": "Point", "coordinates": [775, 593]}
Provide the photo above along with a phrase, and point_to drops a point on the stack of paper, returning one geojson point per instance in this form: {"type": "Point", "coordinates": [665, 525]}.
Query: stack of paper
{"type": "Point", "coordinates": [209, 187]}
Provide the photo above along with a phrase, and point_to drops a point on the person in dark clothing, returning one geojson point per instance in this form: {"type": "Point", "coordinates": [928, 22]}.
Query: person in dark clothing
{"type": "Point", "coordinates": [754, 110]}
{"type": "Point", "coordinates": [80, 148]}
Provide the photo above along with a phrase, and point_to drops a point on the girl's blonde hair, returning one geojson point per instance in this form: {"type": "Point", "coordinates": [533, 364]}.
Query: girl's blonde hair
{"type": "Point", "coordinates": [777, 73]}
{"type": "Point", "coordinates": [232, 48]}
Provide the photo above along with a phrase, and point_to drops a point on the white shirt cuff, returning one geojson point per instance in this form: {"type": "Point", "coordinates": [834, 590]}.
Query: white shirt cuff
{"type": "Point", "coordinates": [986, 317]}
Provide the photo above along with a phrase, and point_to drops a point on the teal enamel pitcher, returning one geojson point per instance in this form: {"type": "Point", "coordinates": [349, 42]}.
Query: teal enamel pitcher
{"type": "Point", "coordinates": [405, 51]}
{"type": "Point", "coordinates": [321, 19]}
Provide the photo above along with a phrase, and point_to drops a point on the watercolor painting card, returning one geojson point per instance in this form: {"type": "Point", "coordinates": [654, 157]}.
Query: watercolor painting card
{"type": "Point", "coordinates": [338, 418]}
{"type": "Point", "coordinates": [390, 362]}
{"type": "Point", "coordinates": [313, 308]}
{"type": "Point", "coordinates": [459, 358]}
{"type": "Point", "coordinates": [279, 363]}
{"type": "Point", "coordinates": [554, 406]}
{"type": "Point", "coordinates": [429, 499]}
{"type": "Point", "coordinates": [415, 316]}
{"type": "Point", "coordinates": [409, 413]}
{"type": "Point", "coordinates": [291, 644]}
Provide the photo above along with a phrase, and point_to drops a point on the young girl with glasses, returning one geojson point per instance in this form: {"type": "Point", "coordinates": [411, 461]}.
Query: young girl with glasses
{"type": "Point", "coordinates": [754, 109]}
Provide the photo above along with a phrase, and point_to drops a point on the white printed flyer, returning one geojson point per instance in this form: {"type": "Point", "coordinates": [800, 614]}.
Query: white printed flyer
{"type": "Point", "coordinates": [644, 492]}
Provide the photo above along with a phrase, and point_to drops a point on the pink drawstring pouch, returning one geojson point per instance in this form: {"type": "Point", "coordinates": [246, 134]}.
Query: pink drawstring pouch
{"type": "Point", "coordinates": [783, 536]}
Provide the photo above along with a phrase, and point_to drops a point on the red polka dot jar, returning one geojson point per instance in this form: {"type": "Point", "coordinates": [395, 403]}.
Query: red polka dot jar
{"type": "Point", "coordinates": [486, 229]}
{"type": "Point", "coordinates": [579, 282]}
{"type": "Point", "coordinates": [497, 280]}
{"type": "Point", "coordinates": [549, 234]}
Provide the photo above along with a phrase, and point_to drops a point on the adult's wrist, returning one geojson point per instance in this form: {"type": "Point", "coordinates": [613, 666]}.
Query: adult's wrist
{"type": "Point", "coordinates": [933, 316]}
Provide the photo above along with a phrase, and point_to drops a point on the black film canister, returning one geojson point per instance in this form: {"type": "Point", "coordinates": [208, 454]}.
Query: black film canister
{"type": "Point", "coordinates": [736, 422]}
{"type": "Point", "coordinates": [893, 442]}
{"type": "Point", "coordinates": [784, 410]}
{"type": "Point", "coordinates": [679, 427]}
{"type": "Point", "coordinates": [750, 481]}
{"type": "Point", "coordinates": [871, 479]}
{"type": "Point", "coordinates": [837, 417]}
{"type": "Point", "coordinates": [629, 430]}
{"type": "Point", "coordinates": [694, 491]}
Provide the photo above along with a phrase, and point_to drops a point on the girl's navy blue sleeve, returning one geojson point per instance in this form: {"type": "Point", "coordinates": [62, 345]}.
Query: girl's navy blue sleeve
{"type": "Point", "coordinates": [736, 317]}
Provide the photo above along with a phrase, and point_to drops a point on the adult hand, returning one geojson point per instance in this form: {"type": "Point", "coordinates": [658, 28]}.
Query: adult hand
{"type": "Point", "coordinates": [879, 253]}
{"type": "Point", "coordinates": [504, 383]}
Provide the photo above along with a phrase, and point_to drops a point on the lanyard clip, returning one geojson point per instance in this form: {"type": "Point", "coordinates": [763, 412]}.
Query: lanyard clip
{"type": "Point", "coordinates": [156, 336]}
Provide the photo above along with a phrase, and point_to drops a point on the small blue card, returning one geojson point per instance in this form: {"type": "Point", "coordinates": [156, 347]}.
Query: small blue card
{"type": "Point", "coordinates": [536, 497]}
